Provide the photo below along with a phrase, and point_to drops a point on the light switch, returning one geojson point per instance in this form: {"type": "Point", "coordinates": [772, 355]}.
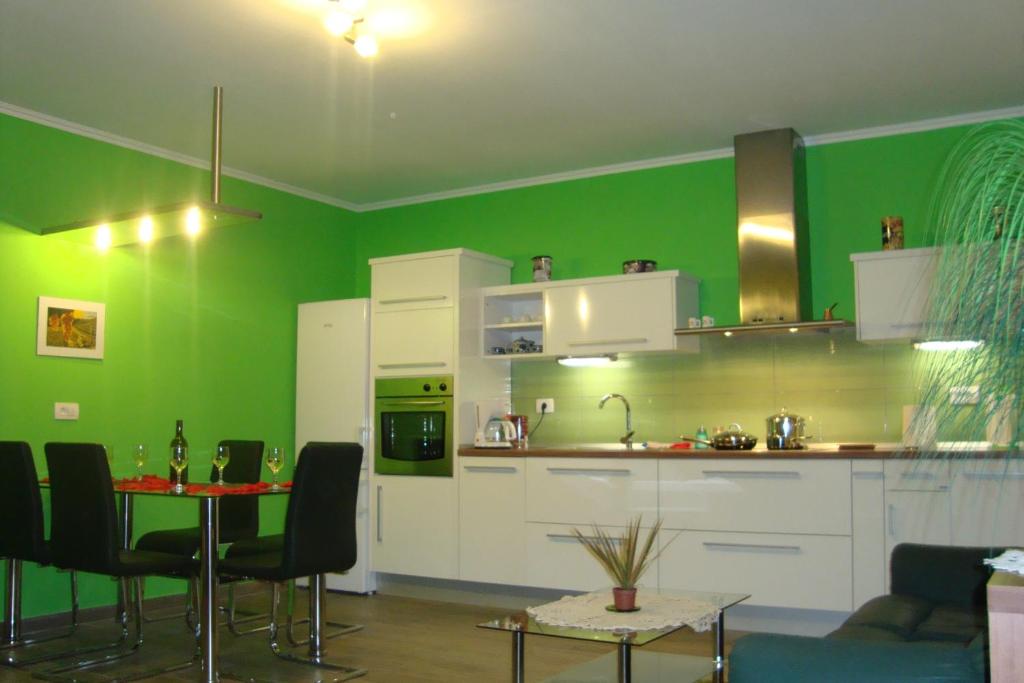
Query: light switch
{"type": "Point", "coordinates": [65, 411]}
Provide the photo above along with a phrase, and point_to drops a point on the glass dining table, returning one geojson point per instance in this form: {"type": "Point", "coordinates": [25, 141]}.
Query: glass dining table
{"type": "Point", "coordinates": [207, 496]}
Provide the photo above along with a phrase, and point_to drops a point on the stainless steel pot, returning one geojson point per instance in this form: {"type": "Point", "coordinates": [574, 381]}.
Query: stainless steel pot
{"type": "Point", "coordinates": [732, 439]}
{"type": "Point", "coordinates": [786, 432]}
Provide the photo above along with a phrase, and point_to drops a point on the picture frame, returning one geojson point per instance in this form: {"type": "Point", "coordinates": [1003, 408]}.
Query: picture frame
{"type": "Point", "coordinates": [71, 328]}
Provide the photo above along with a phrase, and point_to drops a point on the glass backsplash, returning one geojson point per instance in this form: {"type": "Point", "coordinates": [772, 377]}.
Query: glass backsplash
{"type": "Point", "coordinates": [847, 391]}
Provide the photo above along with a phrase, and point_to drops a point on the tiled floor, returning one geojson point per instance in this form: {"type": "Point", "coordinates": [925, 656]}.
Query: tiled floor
{"type": "Point", "coordinates": [404, 641]}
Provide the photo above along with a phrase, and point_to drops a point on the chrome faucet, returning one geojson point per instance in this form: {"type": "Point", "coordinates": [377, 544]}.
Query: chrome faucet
{"type": "Point", "coordinates": [626, 440]}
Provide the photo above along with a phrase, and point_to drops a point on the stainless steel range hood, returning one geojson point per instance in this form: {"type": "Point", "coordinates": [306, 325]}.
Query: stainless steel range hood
{"type": "Point", "coordinates": [774, 258]}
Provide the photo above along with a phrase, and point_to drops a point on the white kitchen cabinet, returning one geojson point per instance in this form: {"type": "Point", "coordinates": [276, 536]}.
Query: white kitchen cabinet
{"type": "Point", "coordinates": [556, 559]}
{"type": "Point", "coordinates": [414, 522]}
{"type": "Point", "coordinates": [917, 502]}
{"type": "Point", "coordinates": [870, 562]}
{"type": "Point", "coordinates": [756, 495]}
{"type": "Point", "coordinates": [623, 313]}
{"type": "Point", "coordinates": [425, 322]}
{"type": "Point", "coordinates": [584, 491]}
{"type": "Point", "coordinates": [988, 502]}
{"type": "Point", "coordinates": [414, 342]}
{"type": "Point", "coordinates": [893, 292]}
{"type": "Point", "coordinates": [492, 520]}
{"type": "Point", "coordinates": [778, 570]}
{"type": "Point", "coordinates": [428, 280]}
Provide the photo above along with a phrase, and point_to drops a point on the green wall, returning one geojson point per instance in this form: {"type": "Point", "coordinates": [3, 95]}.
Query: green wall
{"type": "Point", "coordinates": [202, 331]}
{"type": "Point", "coordinates": [205, 331]}
{"type": "Point", "coordinates": [682, 216]}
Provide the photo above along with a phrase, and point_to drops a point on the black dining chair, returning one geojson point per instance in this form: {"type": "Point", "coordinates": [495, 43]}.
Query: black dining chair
{"type": "Point", "coordinates": [319, 538]}
{"type": "Point", "coordinates": [84, 536]}
{"type": "Point", "coordinates": [21, 509]}
{"type": "Point", "coordinates": [239, 516]}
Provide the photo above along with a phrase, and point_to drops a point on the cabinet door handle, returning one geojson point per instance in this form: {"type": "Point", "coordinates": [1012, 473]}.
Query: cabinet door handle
{"type": "Point", "coordinates": [892, 520]}
{"type": "Point", "coordinates": [412, 402]}
{"type": "Point", "coordinates": [573, 537]}
{"type": "Point", "coordinates": [714, 545]}
{"type": "Point", "coordinates": [606, 342]}
{"type": "Point", "coordinates": [763, 474]}
{"type": "Point", "coordinates": [507, 469]}
{"type": "Point", "coordinates": [397, 366]}
{"type": "Point", "coordinates": [380, 516]}
{"type": "Point", "coordinates": [993, 476]}
{"type": "Point", "coordinates": [412, 300]}
{"type": "Point", "coordinates": [917, 475]}
{"type": "Point", "coordinates": [587, 470]}
{"type": "Point", "coordinates": [867, 475]}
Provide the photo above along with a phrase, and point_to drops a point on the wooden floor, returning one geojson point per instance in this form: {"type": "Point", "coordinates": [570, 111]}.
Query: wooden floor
{"type": "Point", "coordinates": [404, 641]}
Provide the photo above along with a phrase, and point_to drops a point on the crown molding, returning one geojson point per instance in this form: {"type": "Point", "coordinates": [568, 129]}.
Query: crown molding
{"type": "Point", "coordinates": [163, 153]}
{"type": "Point", "coordinates": [547, 179]}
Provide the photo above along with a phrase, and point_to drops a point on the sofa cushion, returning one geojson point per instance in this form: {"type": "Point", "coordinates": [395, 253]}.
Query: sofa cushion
{"type": "Point", "coordinates": [771, 658]}
{"type": "Point", "coordinates": [898, 614]}
{"type": "Point", "coordinates": [951, 623]}
{"type": "Point", "coordinates": [854, 632]}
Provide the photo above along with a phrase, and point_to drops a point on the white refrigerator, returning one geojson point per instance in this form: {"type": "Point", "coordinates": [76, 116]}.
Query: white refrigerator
{"type": "Point", "coordinates": [332, 403]}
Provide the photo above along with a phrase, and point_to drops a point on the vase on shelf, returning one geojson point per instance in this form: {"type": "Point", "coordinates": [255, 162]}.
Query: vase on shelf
{"type": "Point", "coordinates": [624, 599]}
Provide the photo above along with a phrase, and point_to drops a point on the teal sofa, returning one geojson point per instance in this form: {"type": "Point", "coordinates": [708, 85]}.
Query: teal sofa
{"type": "Point", "coordinates": [931, 627]}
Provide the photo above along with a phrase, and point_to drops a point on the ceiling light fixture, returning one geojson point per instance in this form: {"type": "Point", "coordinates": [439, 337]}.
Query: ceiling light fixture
{"type": "Point", "coordinates": [344, 21]}
{"type": "Point", "coordinates": [163, 221]}
{"type": "Point", "coordinates": [948, 345]}
{"type": "Point", "coordinates": [587, 361]}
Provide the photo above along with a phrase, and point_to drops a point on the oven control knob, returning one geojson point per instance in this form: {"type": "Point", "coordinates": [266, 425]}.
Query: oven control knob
{"type": "Point", "coordinates": [426, 387]}
{"type": "Point", "coordinates": [443, 387]}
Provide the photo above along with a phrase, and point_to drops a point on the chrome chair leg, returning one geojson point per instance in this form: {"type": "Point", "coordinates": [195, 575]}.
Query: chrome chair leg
{"type": "Point", "coordinates": [14, 640]}
{"type": "Point", "coordinates": [135, 602]}
{"type": "Point", "coordinates": [339, 629]}
{"type": "Point", "coordinates": [314, 656]}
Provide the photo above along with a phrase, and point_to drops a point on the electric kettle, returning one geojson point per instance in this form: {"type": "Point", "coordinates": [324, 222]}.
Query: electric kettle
{"type": "Point", "coordinates": [497, 433]}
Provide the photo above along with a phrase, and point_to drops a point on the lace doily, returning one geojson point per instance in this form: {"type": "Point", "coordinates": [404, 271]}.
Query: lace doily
{"type": "Point", "coordinates": [656, 612]}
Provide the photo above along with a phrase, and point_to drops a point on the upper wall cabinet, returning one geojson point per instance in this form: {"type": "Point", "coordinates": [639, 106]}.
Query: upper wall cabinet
{"type": "Point", "coordinates": [893, 290]}
{"type": "Point", "coordinates": [589, 316]}
{"type": "Point", "coordinates": [405, 283]}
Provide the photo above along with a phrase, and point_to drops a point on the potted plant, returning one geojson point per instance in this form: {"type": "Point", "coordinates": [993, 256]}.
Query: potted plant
{"type": "Point", "coordinates": [622, 557]}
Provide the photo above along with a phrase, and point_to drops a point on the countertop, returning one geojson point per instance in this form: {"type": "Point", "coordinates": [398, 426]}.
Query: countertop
{"type": "Point", "coordinates": [832, 451]}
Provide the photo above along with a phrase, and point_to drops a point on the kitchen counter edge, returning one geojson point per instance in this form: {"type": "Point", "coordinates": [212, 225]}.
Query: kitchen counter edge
{"type": "Point", "coordinates": [755, 454]}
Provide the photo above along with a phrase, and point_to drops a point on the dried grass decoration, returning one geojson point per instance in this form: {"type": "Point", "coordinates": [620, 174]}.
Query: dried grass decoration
{"type": "Point", "coordinates": [623, 558]}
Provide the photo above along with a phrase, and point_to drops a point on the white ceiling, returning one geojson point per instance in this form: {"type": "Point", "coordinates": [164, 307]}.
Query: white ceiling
{"type": "Point", "coordinates": [471, 92]}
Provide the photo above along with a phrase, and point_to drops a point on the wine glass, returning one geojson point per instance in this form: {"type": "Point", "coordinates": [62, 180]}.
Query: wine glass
{"type": "Point", "coordinates": [179, 461]}
{"type": "Point", "coordinates": [139, 454]}
{"type": "Point", "coordinates": [275, 461]}
{"type": "Point", "coordinates": [221, 458]}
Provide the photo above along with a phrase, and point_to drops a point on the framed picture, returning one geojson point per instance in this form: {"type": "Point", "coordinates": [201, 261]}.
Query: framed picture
{"type": "Point", "coordinates": [70, 328]}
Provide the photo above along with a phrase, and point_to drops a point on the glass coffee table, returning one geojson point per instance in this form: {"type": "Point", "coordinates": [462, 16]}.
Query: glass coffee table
{"type": "Point", "coordinates": [622, 666]}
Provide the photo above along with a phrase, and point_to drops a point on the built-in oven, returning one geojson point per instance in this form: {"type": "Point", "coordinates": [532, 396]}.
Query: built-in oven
{"type": "Point", "coordinates": [413, 421]}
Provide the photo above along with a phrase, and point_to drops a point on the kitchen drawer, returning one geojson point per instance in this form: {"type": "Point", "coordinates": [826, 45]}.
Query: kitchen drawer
{"type": "Point", "coordinates": [780, 496]}
{"type": "Point", "coordinates": [988, 502]}
{"type": "Point", "coordinates": [430, 282]}
{"type": "Point", "coordinates": [585, 491]}
{"type": "Point", "coordinates": [778, 570]}
{"type": "Point", "coordinates": [417, 342]}
{"type": "Point", "coordinates": [916, 474]}
{"type": "Point", "coordinates": [555, 559]}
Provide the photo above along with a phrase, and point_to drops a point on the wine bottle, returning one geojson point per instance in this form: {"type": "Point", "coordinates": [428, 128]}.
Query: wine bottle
{"type": "Point", "coordinates": [179, 442]}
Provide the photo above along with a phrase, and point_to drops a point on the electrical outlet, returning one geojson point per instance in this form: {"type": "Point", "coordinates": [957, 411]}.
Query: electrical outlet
{"type": "Point", "coordinates": [65, 411]}
{"type": "Point", "coordinates": [547, 404]}
{"type": "Point", "coordinates": [965, 396]}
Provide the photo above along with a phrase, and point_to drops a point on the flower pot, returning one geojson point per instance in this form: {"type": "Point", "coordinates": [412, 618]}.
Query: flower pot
{"type": "Point", "coordinates": [624, 599]}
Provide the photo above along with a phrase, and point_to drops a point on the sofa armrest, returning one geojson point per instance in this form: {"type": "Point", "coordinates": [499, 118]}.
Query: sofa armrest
{"type": "Point", "coordinates": [942, 574]}
{"type": "Point", "coordinates": [770, 658]}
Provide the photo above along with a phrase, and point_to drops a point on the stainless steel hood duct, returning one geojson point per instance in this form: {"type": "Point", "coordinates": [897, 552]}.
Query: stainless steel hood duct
{"type": "Point", "coordinates": [774, 256]}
